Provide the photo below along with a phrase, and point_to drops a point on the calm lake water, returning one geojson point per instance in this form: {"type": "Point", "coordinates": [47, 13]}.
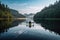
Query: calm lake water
{"type": "Point", "coordinates": [22, 32]}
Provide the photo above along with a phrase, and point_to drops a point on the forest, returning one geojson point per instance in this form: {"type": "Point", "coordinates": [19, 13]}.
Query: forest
{"type": "Point", "coordinates": [7, 16]}
{"type": "Point", "coordinates": [49, 17]}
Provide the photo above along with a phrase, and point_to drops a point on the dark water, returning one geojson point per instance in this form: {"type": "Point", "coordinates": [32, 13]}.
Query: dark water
{"type": "Point", "coordinates": [19, 31]}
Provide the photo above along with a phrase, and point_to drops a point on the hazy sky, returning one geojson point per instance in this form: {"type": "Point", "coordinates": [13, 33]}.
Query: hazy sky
{"type": "Point", "coordinates": [28, 6]}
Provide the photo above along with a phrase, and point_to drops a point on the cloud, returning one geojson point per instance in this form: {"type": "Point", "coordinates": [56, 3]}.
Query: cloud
{"type": "Point", "coordinates": [31, 9]}
{"type": "Point", "coordinates": [24, 8]}
{"type": "Point", "coordinates": [17, 5]}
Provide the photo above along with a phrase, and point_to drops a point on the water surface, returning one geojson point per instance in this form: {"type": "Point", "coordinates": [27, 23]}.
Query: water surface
{"type": "Point", "coordinates": [19, 31]}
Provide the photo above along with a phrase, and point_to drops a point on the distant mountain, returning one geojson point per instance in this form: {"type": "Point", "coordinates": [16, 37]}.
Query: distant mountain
{"type": "Point", "coordinates": [26, 15]}
{"type": "Point", "coordinates": [29, 15]}
{"type": "Point", "coordinates": [16, 14]}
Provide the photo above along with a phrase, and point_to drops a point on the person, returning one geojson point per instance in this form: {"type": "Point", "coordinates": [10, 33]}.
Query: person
{"type": "Point", "coordinates": [30, 24]}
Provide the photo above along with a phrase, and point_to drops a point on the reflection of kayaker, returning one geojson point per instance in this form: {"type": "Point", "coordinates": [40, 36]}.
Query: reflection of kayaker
{"type": "Point", "coordinates": [30, 23]}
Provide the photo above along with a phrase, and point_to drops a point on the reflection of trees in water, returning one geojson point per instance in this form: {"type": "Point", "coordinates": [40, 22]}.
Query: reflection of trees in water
{"type": "Point", "coordinates": [16, 22]}
{"type": "Point", "coordinates": [53, 25]}
{"type": "Point", "coordinates": [5, 25]}
{"type": "Point", "coordinates": [49, 17]}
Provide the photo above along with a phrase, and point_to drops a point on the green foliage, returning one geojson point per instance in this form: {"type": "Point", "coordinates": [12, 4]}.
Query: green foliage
{"type": "Point", "coordinates": [49, 17]}
{"type": "Point", "coordinates": [4, 11]}
{"type": "Point", "coordinates": [53, 11]}
{"type": "Point", "coordinates": [5, 16]}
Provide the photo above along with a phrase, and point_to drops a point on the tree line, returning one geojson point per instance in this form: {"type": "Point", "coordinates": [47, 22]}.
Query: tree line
{"type": "Point", "coordinates": [4, 11]}
{"type": "Point", "coordinates": [49, 17]}
{"type": "Point", "coordinates": [48, 13]}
